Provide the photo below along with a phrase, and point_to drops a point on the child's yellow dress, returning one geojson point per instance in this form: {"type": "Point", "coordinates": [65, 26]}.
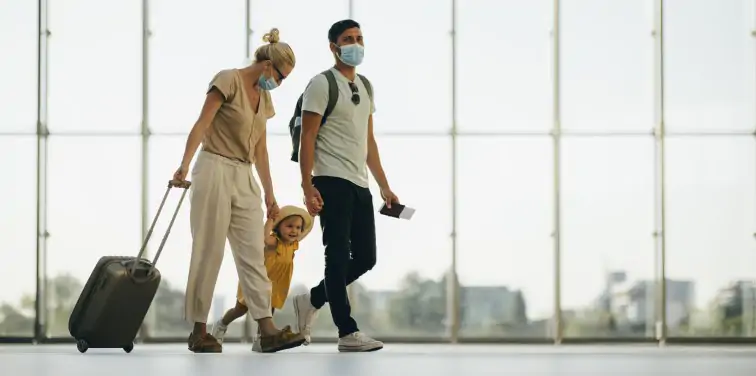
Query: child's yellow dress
{"type": "Point", "coordinates": [280, 266]}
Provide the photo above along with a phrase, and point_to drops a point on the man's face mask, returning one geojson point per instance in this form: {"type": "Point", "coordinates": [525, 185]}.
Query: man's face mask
{"type": "Point", "coordinates": [351, 54]}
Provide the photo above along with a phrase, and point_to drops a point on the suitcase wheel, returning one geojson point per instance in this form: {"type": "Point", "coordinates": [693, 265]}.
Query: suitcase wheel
{"type": "Point", "coordinates": [128, 348]}
{"type": "Point", "coordinates": [82, 346]}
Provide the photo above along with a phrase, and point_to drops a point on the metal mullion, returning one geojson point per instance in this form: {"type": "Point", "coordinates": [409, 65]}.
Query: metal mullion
{"type": "Point", "coordinates": [753, 34]}
{"type": "Point", "coordinates": [94, 134]}
{"type": "Point", "coordinates": [12, 134]}
{"type": "Point", "coordinates": [40, 304]}
{"type": "Point", "coordinates": [556, 135]}
{"type": "Point", "coordinates": [660, 326]}
{"type": "Point", "coordinates": [144, 331]}
{"type": "Point", "coordinates": [452, 286]}
{"type": "Point", "coordinates": [247, 331]}
{"type": "Point", "coordinates": [668, 134]}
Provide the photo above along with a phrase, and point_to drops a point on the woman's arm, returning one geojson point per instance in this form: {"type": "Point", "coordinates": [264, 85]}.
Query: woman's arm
{"type": "Point", "coordinates": [213, 102]}
{"type": "Point", "coordinates": [262, 165]}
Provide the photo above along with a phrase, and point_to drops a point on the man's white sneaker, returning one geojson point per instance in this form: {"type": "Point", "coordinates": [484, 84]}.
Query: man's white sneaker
{"type": "Point", "coordinates": [219, 331]}
{"type": "Point", "coordinates": [359, 342]}
{"type": "Point", "coordinates": [306, 314]}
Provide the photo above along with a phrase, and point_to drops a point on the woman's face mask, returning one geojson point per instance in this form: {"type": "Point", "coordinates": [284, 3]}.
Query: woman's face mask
{"type": "Point", "coordinates": [267, 83]}
{"type": "Point", "coordinates": [351, 54]}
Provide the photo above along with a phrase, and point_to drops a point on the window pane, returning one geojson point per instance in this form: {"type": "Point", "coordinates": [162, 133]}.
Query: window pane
{"type": "Point", "coordinates": [418, 32]}
{"type": "Point", "coordinates": [607, 237]}
{"type": "Point", "coordinates": [18, 41]}
{"type": "Point", "coordinates": [413, 256]}
{"type": "Point", "coordinates": [95, 66]}
{"type": "Point", "coordinates": [403, 295]}
{"type": "Point", "coordinates": [607, 66]}
{"type": "Point", "coordinates": [504, 65]}
{"type": "Point", "coordinates": [505, 252]}
{"type": "Point", "coordinates": [93, 211]}
{"type": "Point", "coordinates": [306, 31]}
{"type": "Point", "coordinates": [709, 60]}
{"type": "Point", "coordinates": [191, 42]}
{"type": "Point", "coordinates": [711, 195]}
{"type": "Point", "coordinates": [18, 221]}
{"type": "Point", "coordinates": [165, 318]}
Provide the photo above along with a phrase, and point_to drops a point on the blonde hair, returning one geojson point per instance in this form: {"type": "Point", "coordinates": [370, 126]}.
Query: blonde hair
{"type": "Point", "coordinates": [277, 52]}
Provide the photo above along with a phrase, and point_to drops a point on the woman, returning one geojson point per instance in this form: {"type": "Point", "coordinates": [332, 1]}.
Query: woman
{"type": "Point", "coordinates": [226, 201]}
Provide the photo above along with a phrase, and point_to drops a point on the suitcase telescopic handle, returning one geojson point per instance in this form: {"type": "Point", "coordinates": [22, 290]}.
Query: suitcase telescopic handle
{"type": "Point", "coordinates": [184, 184]}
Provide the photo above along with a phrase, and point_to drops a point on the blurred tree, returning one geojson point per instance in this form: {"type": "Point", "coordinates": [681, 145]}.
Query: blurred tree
{"type": "Point", "coordinates": [361, 300]}
{"type": "Point", "coordinates": [167, 311]}
{"type": "Point", "coordinates": [419, 307]}
{"type": "Point", "coordinates": [13, 322]}
{"type": "Point", "coordinates": [62, 293]}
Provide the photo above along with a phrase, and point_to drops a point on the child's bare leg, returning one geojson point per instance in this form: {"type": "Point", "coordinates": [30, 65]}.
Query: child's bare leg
{"type": "Point", "coordinates": [232, 314]}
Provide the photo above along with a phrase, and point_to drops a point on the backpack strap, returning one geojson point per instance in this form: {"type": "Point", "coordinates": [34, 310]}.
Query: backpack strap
{"type": "Point", "coordinates": [367, 84]}
{"type": "Point", "coordinates": [295, 124]}
{"type": "Point", "coordinates": [333, 94]}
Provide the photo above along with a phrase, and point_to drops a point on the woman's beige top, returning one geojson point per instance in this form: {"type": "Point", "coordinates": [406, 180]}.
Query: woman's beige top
{"type": "Point", "coordinates": [237, 126]}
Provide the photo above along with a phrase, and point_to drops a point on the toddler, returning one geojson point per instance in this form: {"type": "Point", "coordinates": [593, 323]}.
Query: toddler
{"type": "Point", "coordinates": [283, 236]}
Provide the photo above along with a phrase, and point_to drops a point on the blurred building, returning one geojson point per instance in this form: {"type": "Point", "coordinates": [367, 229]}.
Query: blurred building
{"type": "Point", "coordinates": [735, 307]}
{"type": "Point", "coordinates": [631, 306]}
{"type": "Point", "coordinates": [492, 306]}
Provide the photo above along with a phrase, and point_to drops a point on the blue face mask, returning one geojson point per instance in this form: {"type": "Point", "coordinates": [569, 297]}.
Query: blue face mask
{"type": "Point", "coordinates": [267, 83]}
{"type": "Point", "coordinates": [352, 54]}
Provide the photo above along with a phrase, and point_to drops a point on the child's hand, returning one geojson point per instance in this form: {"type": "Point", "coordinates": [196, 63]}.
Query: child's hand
{"type": "Point", "coordinates": [271, 206]}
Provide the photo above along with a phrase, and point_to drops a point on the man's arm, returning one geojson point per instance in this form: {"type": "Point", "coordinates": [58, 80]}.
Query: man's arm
{"type": "Point", "coordinates": [374, 158]}
{"type": "Point", "coordinates": [310, 127]}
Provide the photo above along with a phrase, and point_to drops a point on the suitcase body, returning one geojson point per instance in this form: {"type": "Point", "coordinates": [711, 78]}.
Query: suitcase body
{"type": "Point", "coordinates": [113, 303]}
{"type": "Point", "coordinates": [118, 293]}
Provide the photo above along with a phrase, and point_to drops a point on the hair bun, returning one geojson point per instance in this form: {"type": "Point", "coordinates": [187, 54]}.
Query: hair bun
{"type": "Point", "coordinates": [271, 36]}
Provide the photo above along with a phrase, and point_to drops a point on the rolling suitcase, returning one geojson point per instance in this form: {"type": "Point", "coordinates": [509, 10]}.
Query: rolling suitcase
{"type": "Point", "coordinates": [118, 293]}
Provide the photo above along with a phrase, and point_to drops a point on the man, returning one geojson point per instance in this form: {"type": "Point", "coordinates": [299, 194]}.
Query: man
{"type": "Point", "coordinates": [334, 158]}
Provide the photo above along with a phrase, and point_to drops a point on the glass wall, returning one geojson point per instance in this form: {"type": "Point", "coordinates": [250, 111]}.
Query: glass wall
{"type": "Point", "coordinates": [581, 169]}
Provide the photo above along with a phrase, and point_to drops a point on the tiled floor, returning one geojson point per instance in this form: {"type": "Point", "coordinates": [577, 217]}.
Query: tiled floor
{"type": "Point", "coordinates": [394, 360]}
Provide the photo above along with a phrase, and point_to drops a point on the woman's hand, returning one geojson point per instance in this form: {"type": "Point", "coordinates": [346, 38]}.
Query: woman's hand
{"type": "Point", "coordinates": [181, 173]}
{"type": "Point", "coordinates": [271, 206]}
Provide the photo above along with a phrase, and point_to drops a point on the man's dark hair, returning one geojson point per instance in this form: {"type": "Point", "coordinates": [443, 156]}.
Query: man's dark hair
{"type": "Point", "coordinates": [339, 28]}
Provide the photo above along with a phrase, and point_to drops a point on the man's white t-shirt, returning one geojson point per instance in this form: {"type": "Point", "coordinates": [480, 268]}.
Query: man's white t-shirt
{"type": "Point", "coordinates": [342, 144]}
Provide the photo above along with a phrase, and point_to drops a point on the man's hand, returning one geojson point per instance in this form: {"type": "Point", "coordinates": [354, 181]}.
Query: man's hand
{"type": "Point", "coordinates": [389, 197]}
{"type": "Point", "coordinates": [312, 199]}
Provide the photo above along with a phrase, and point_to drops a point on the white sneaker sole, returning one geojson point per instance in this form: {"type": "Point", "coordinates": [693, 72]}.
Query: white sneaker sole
{"type": "Point", "coordinates": [367, 347]}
